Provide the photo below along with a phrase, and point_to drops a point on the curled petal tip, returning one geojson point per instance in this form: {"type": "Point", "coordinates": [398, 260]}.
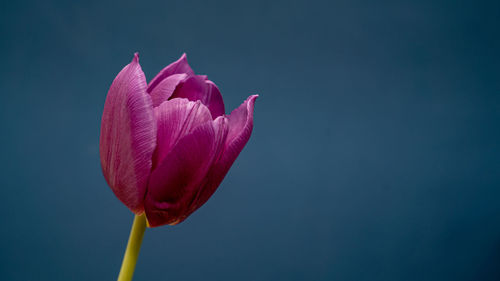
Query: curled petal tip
{"type": "Point", "coordinates": [250, 102]}
{"type": "Point", "coordinates": [183, 59]}
{"type": "Point", "coordinates": [252, 98]}
{"type": "Point", "coordinates": [136, 57]}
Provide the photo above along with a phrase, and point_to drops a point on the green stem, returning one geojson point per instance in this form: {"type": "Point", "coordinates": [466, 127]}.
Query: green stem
{"type": "Point", "coordinates": [133, 248]}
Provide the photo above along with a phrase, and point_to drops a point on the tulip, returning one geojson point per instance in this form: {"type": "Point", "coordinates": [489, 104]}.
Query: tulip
{"type": "Point", "coordinates": [166, 146]}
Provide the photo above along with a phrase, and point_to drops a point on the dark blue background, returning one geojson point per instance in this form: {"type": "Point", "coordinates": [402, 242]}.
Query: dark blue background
{"type": "Point", "coordinates": [374, 154]}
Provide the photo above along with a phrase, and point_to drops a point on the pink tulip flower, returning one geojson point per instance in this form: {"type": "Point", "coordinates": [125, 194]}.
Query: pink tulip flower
{"type": "Point", "coordinates": [166, 146]}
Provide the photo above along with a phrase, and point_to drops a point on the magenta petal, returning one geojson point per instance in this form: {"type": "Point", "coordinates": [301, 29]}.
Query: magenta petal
{"type": "Point", "coordinates": [179, 66]}
{"type": "Point", "coordinates": [176, 181]}
{"type": "Point", "coordinates": [241, 124]}
{"type": "Point", "coordinates": [213, 100]}
{"type": "Point", "coordinates": [176, 118]}
{"type": "Point", "coordinates": [240, 128]}
{"type": "Point", "coordinates": [166, 88]}
{"type": "Point", "coordinates": [128, 136]}
{"type": "Point", "coordinates": [198, 88]}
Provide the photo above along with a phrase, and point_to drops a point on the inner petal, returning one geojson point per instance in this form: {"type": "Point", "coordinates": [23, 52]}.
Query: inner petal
{"type": "Point", "coordinates": [176, 118]}
{"type": "Point", "coordinates": [166, 88]}
{"type": "Point", "coordinates": [199, 88]}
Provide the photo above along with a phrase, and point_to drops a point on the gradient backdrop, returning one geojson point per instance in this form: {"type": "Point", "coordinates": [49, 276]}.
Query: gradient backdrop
{"type": "Point", "coordinates": [374, 154]}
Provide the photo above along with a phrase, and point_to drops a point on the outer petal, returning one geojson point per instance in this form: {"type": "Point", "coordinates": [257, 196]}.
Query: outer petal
{"type": "Point", "coordinates": [176, 118]}
{"type": "Point", "coordinates": [240, 129]}
{"type": "Point", "coordinates": [198, 88]}
{"type": "Point", "coordinates": [179, 66]}
{"type": "Point", "coordinates": [176, 181]}
{"type": "Point", "coordinates": [128, 136]}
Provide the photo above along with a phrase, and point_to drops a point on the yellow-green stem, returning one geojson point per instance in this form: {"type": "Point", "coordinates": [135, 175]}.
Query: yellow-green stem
{"type": "Point", "coordinates": [133, 248]}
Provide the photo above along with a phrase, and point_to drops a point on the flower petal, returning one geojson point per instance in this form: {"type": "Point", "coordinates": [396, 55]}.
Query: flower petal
{"type": "Point", "coordinates": [166, 88]}
{"type": "Point", "coordinates": [240, 128]}
{"type": "Point", "coordinates": [198, 88]}
{"type": "Point", "coordinates": [176, 118]}
{"type": "Point", "coordinates": [179, 66]}
{"type": "Point", "coordinates": [175, 182]}
{"type": "Point", "coordinates": [128, 136]}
